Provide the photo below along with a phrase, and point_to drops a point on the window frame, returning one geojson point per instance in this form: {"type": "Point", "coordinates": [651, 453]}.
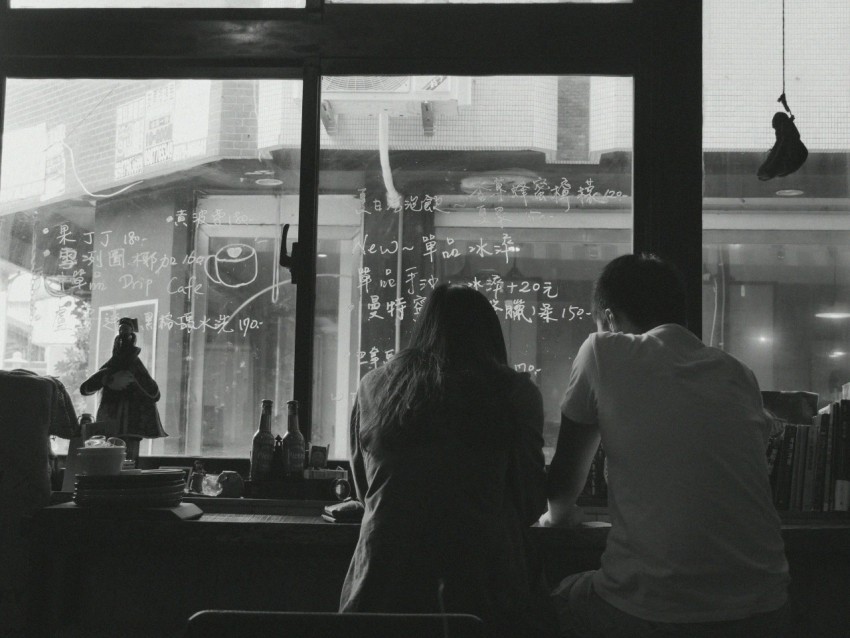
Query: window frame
{"type": "Point", "coordinates": [656, 42]}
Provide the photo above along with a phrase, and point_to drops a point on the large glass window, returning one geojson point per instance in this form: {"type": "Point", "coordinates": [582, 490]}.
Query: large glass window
{"type": "Point", "coordinates": [519, 186]}
{"type": "Point", "coordinates": [776, 253]}
{"type": "Point", "coordinates": [476, 1]}
{"type": "Point", "coordinates": [163, 199]}
{"type": "Point", "coordinates": [252, 4]}
{"type": "Point", "coordinates": [160, 200]}
{"type": "Point", "coordinates": [156, 4]}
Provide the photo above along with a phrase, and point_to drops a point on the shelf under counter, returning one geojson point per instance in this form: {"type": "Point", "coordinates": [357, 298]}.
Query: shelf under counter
{"type": "Point", "coordinates": [267, 554]}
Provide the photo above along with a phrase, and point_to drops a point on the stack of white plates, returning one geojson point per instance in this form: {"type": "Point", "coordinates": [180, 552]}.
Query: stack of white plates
{"type": "Point", "coordinates": [135, 488]}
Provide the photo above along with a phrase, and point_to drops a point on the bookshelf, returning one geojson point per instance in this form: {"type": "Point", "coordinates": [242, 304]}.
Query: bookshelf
{"type": "Point", "coordinates": [808, 456]}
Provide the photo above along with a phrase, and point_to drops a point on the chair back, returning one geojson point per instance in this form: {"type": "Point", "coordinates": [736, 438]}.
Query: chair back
{"type": "Point", "coordinates": [288, 624]}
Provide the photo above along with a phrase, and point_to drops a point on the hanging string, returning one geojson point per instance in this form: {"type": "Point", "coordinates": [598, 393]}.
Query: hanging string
{"type": "Point", "coordinates": [783, 47]}
{"type": "Point", "coordinates": [782, 97]}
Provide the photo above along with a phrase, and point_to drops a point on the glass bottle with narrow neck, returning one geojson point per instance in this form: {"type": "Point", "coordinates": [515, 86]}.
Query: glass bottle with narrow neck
{"type": "Point", "coordinates": [293, 444]}
{"type": "Point", "coordinates": [86, 420]}
{"type": "Point", "coordinates": [262, 447]}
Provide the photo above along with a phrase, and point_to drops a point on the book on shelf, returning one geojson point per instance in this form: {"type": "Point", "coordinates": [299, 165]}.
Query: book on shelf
{"type": "Point", "coordinates": [823, 421]}
{"type": "Point", "coordinates": [842, 463]}
{"type": "Point", "coordinates": [829, 465]}
{"type": "Point", "coordinates": [596, 486]}
{"type": "Point", "coordinates": [791, 415]}
{"type": "Point", "coordinates": [782, 497]}
{"type": "Point", "coordinates": [774, 446]}
{"type": "Point", "coordinates": [798, 467]}
{"type": "Point", "coordinates": [807, 498]}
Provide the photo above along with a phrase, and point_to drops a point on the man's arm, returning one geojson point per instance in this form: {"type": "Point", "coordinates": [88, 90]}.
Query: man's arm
{"type": "Point", "coordinates": [574, 452]}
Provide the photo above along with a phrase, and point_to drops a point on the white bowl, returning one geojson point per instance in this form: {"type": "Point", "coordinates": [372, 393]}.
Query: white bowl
{"type": "Point", "coordinates": [100, 460]}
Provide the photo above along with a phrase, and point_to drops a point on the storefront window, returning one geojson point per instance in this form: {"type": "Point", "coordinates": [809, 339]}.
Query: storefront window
{"type": "Point", "coordinates": [478, 1]}
{"type": "Point", "coordinates": [255, 4]}
{"type": "Point", "coordinates": [160, 200]}
{"type": "Point", "coordinates": [776, 253]}
{"type": "Point", "coordinates": [164, 201]}
{"type": "Point", "coordinates": [156, 4]}
{"type": "Point", "coordinates": [519, 186]}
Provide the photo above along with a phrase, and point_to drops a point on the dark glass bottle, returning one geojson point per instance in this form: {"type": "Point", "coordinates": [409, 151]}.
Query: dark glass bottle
{"type": "Point", "coordinates": [278, 472]}
{"type": "Point", "coordinates": [262, 447]}
{"type": "Point", "coordinates": [196, 480]}
{"type": "Point", "coordinates": [293, 444]}
{"type": "Point", "coordinates": [86, 420]}
{"type": "Point", "coordinates": [53, 464]}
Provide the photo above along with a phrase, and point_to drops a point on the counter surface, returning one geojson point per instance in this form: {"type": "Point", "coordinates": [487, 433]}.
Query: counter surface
{"type": "Point", "coordinates": [94, 573]}
{"type": "Point", "coordinates": [301, 522]}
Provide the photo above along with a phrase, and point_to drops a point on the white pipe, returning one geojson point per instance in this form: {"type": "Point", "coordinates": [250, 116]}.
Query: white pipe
{"type": "Point", "coordinates": [394, 201]}
{"type": "Point", "coordinates": [393, 196]}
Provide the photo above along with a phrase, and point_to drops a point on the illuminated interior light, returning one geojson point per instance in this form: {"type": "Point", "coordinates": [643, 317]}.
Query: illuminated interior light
{"type": "Point", "coordinates": [833, 314]}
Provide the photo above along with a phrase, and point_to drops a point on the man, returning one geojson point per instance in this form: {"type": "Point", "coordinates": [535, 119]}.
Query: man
{"type": "Point", "coordinates": [695, 547]}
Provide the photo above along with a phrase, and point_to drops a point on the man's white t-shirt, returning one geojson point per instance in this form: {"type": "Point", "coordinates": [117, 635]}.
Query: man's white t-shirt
{"type": "Point", "coordinates": [695, 536]}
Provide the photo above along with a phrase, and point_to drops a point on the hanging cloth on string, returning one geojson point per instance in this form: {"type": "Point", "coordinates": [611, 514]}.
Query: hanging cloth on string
{"type": "Point", "coordinates": [788, 153]}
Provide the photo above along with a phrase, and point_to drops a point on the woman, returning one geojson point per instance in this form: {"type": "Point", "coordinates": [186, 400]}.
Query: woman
{"type": "Point", "coordinates": [447, 458]}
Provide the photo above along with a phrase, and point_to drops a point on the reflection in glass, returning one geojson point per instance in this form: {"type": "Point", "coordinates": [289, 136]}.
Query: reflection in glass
{"type": "Point", "coordinates": [518, 186]}
{"type": "Point", "coordinates": [479, 1]}
{"type": "Point", "coordinates": [776, 253]}
{"type": "Point", "coordinates": [160, 200]}
{"type": "Point", "coordinates": [156, 4]}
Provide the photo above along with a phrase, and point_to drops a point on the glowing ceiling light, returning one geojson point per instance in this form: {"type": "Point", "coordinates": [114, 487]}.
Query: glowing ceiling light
{"type": "Point", "coordinates": [834, 312]}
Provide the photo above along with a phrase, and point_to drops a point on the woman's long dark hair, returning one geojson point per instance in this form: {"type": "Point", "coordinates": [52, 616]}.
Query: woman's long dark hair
{"type": "Point", "coordinates": [458, 330]}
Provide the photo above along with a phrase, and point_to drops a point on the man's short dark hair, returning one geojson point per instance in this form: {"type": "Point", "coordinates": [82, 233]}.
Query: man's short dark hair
{"type": "Point", "coordinates": [648, 290]}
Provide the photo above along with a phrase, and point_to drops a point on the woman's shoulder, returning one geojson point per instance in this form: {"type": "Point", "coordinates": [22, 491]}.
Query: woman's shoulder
{"type": "Point", "coordinates": [509, 384]}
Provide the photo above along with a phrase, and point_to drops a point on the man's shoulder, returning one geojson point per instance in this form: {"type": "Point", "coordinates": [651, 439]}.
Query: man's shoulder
{"type": "Point", "coordinates": [690, 349]}
{"type": "Point", "coordinates": [601, 346]}
{"type": "Point", "coordinates": [603, 342]}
